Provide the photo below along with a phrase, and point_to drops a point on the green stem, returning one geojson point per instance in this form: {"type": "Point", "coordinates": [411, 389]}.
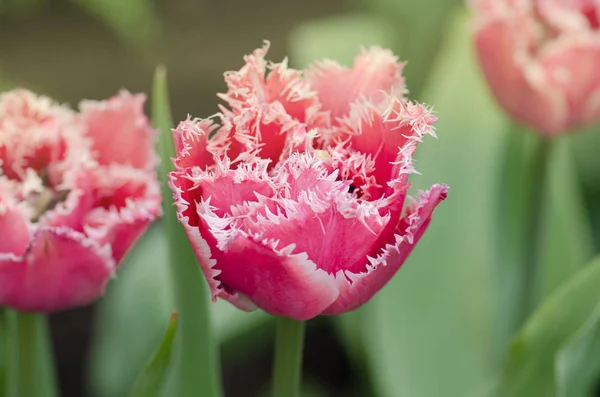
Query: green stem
{"type": "Point", "coordinates": [287, 369]}
{"type": "Point", "coordinates": [30, 370]}
{"type": "Point", "coordinates": [196, 360]}
{"type": "Point", "coordinates": [533, 227]}
{"type": "Point", "coordinates": [520, 198]}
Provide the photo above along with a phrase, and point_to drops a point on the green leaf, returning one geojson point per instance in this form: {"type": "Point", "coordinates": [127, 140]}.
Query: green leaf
{"type": "Point", "coordinates": [196, 366]}
{"type": "Point", "coordinates": [130, 318]}
{"type": "Point", "coordinates": [3, 352]}
{"type": "Point", "coordinates": [429, 329]}
{"type": "Point", "coordinates": [529, 370]}
{"type": "Point", "coordinates": [152, 377]}
{"type": "Point", "coordinates": [577, 364]}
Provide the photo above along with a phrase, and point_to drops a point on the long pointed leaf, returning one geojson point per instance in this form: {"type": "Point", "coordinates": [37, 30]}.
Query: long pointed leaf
{"type": "Point", "coordinates": [153, 376]}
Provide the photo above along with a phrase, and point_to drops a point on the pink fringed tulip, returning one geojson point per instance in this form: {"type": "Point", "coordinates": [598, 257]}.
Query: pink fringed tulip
{"type": "Point", "coordinates": [297, 205]}
{"type": "Point", "coordinates": [542, 59]}
{"type": "Point", "coordinates": [76, 191]}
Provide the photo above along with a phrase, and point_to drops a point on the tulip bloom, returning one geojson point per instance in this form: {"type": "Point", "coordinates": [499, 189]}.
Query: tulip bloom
{"type": "Point", "coordinates": [76, 191]}
{"type": "Point", "coordinates": [542, 59]}
{"type": "Point", "coordinates": [296, 205]}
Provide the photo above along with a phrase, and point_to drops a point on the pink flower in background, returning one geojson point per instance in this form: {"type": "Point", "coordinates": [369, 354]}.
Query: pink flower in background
{"type": "Point", "coordinates": [297, 204]}
{"type": "Point", "coordinates": [76, 191]}
{"type": "Point", "coordinates": [542, 59]}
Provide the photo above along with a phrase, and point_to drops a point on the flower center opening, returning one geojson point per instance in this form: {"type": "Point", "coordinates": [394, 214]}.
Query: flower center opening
{"type": "Point", "coordinates": [37, 192]}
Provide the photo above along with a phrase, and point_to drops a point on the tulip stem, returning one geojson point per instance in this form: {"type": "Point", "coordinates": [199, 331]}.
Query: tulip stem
{"type": "Point", "coordinates": [30, 371]}
{"type": "Point", "coordinates": [533, 231]}
{"type": "Point", "coordinates": [287, 370]}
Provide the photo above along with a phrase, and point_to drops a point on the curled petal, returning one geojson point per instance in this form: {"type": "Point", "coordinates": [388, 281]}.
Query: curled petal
{"type": "Point", "coordinates": [60, 269]}
{"type": "Point", "coordinates": [356, 289]}
{"type": "Point", "coordinates": [376, 71]}
{"type": "Point", "coordinates": [120, 131]}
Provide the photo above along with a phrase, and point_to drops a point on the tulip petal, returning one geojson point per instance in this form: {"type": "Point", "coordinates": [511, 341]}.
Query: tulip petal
{"type": "Point", "coordinates": [356, 289]}
{"type": "Point", "coordinates": [120, 131]}
{"type": "Point", "coordinates": [277, 281]}
{"type": "Point", "coordinates": [14, 229]}
{"type": "Point", "coordinates": [376, 71]}
{"type": "Point", "coordinates": [252, 86]}
{"type": "Point", "coordinates": [60, 269]}
{"type": "Point", "coordinates": [127, 200]}
{"type": "Point", "coordinates": [192, 145]}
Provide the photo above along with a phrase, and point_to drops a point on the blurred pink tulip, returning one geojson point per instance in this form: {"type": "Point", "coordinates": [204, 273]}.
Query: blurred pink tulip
{"type": "Point", "coordinates": [76, 191]}
{"type": "Point", "coordinates": [297, 205]}
{"type": "Point", "coordinates": [542, 59]}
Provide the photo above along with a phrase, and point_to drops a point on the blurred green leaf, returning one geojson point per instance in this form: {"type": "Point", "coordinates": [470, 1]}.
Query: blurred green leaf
{"type": "Point", "coordinates": [563, 242]}
{"type": "Point", "coordinates": [337, 38]}
{"type": "Point", "coordinates": [134, 21]}
{"type": "Point", "coordinates": [429, 333]}
{"type": "Point", "coordinates": [567, 242]}
{"type": "Point", "coordinates": [577, 365]}
{"type": "Point", "coordinates": [152, 377]}
{"type": "Point", "coordinates": [529, 370]}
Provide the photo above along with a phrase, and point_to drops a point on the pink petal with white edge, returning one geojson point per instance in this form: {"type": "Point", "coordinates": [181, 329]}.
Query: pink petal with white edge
{"type": "Point", "coordinates": [127, 200]}
{"type": "Point", "coordinates": [376, 71]}
{"type": "Point", "coordinates": [60, 269]}
{"type": "Point", "coordinates": [388, 132]}
{"type": "Point", "coordinates": [277, 281]}
{"type": "Point", "coordinates": [192, 145]}
{"type": "Point", "coordinates": [317, 215]}
{"type": "Point", "coordinates": [224, 186]}
{"type": "Point", "coordinates": [356, 289]}
{"type": "Point", "coordinates": [120, 131]}
{"type": "Point", "coordinates": [253, 86]}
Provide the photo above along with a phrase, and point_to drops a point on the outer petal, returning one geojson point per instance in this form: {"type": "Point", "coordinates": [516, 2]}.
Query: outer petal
{"type": "Point", "coordinates": [119, 130]}
{"type": "Point", "coordinates": [277, 281]}
{"type": "Point", "coordinates": [356, 289]}
{"type": "Point", "coordinates": [376, 71]}
{"type": "Point", "coordinates": [59, 270]}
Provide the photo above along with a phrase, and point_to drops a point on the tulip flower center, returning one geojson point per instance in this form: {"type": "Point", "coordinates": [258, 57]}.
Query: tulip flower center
{"type": "Point", "coordinates": [38, 193]}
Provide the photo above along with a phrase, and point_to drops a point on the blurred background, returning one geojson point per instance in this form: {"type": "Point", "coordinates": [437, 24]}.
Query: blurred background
{"type": "Point", "coordinates": [431, 331]}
